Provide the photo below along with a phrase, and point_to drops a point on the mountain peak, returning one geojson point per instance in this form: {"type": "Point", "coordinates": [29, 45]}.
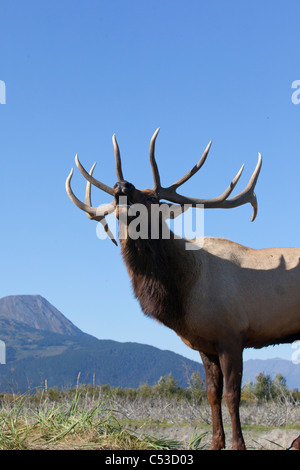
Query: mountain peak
{"type": "Point", "coordinates": [35, 311]}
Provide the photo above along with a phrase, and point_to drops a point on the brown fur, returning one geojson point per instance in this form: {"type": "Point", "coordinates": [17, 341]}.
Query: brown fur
{"type": "Point", "coordinates": [158, 278]}
{"type": "Point", "coordinates": [206, 297]}
{"type": "Point", "coordinates": [219, 299]}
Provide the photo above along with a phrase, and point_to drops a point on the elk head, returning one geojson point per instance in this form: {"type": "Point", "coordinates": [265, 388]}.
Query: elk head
{"type": "Point", "coordinates": [158, 193]}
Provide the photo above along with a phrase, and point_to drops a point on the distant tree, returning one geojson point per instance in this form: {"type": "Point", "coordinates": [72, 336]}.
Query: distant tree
{"type": "Point", "coordinates": [280, 388]}
{"type": "Point", "coordinates": [145, 390]}
{"type": "Point", "coordinates": [263, 387]}
{"type": "Point", "coordinates": [295, 395]}
{"type": "Point", "coordinates": [197, 386]}
{"type": "Point", "coordinates": [266, 389]}
{"type": "Point", "coordinates": [168, 386]}
{"type": "Point", "coordinates": [248, 391]}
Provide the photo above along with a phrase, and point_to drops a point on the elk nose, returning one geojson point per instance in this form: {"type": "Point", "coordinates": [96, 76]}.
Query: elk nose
{"type": "Point", "coordinates": [123, 188]}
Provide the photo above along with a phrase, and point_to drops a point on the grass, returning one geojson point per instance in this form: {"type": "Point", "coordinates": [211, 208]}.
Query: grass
{"type": "Point", "coordinates": [82, 419]}
{"type": "Point", "coordinates": [69, 426]}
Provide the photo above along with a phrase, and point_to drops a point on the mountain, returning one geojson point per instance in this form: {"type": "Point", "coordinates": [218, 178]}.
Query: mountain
{"type": "Point", "coordinates": [42, 344]}
{"type": "Point", "coordinates": [287, 369]}
{"type": "Point", "coordinates": [36, 312]}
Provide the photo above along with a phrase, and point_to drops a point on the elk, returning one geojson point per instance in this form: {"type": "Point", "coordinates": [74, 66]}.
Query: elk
{"type": "Point", "coordinates": [219, 299]}
{"type": "Point", "coordinates": [295, 444]}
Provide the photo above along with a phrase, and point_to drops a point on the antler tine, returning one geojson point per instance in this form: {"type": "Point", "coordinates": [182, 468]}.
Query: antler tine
{"type": "Point", "coordinates": [101, 211]}
{"type": "Point", "coordinates": [86, 208]}
{"type": "Point", "coordinates": [222, 201]}
{"type": "Point", "coordinates": [248, 194]}
{"type": "Point", "coordinates": [91, 179]}
{"type": "Point", "coordinates": [87, 198]}
{"type": "Point", "coordinates": [170, 194]}
{"type": "Point", "coordinates": [194, 170]}
{"type": "Point", "coordinates": [94, 213]}
{"type": "Point", "coordinates": [99, 218]}
{"type": "Point", "coordinates": [155, 172]}
{"type": "Point", "coordinates": [106, 228]}
{"type": "Point", "coordinates": [117, 159]}
{"type": "Point", "coordinates": [156, 177]}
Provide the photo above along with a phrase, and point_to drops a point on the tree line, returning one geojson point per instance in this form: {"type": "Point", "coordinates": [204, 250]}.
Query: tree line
{"type": "Point", "coordinates": [264, 388]}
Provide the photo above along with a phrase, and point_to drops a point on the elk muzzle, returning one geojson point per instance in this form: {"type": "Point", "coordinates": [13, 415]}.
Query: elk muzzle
{"type": "Point", "coordinates": [125, 189]}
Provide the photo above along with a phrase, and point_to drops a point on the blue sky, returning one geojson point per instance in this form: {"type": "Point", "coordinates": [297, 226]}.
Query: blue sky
{"type": "Point", "coordinates": [78, 71]}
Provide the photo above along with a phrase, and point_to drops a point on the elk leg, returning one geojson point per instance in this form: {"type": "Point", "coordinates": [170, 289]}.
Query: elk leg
{"type": "Point", "coordinates": [214, 389]}
{"type": "Point", "coordinates": [232, 365]}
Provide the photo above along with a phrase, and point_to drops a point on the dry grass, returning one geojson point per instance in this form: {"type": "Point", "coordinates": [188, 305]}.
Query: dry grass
{"type": "Point", "coordinates": [270, 425]}
{"type": "Point", "coordinates": [101, 421]}
{"type": "Point", "coordinates": [77, 424]}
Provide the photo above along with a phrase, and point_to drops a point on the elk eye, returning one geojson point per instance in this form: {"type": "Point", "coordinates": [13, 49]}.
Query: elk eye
{"type": "Point", "coordinates": [152, 199]}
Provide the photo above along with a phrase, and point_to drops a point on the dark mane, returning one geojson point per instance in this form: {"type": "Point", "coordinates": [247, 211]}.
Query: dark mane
{"type": "Point", "coordinates": [157, 278]}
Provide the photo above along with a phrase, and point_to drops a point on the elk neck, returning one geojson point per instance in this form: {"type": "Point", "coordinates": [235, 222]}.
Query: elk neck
{"type": "Point", "coordinates": [160, 272]}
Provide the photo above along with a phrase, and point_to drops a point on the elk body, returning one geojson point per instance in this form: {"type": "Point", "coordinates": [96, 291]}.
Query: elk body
{"type": "Point", "coordinates": [219, 299]}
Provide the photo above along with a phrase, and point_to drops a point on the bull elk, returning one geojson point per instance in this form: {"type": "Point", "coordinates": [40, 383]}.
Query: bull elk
{"type": "Point", "coordinates": [219, 299]}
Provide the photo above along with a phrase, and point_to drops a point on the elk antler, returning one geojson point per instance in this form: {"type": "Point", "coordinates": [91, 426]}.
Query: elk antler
{"type": "Point", "coordinates": [107, 209]}
{"type": "Point", "coordinates": [222, 201]}
{"type": "Point", "coordinates": [96, 213]}
{"type": "Point", "coordinates": [119, 171]}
